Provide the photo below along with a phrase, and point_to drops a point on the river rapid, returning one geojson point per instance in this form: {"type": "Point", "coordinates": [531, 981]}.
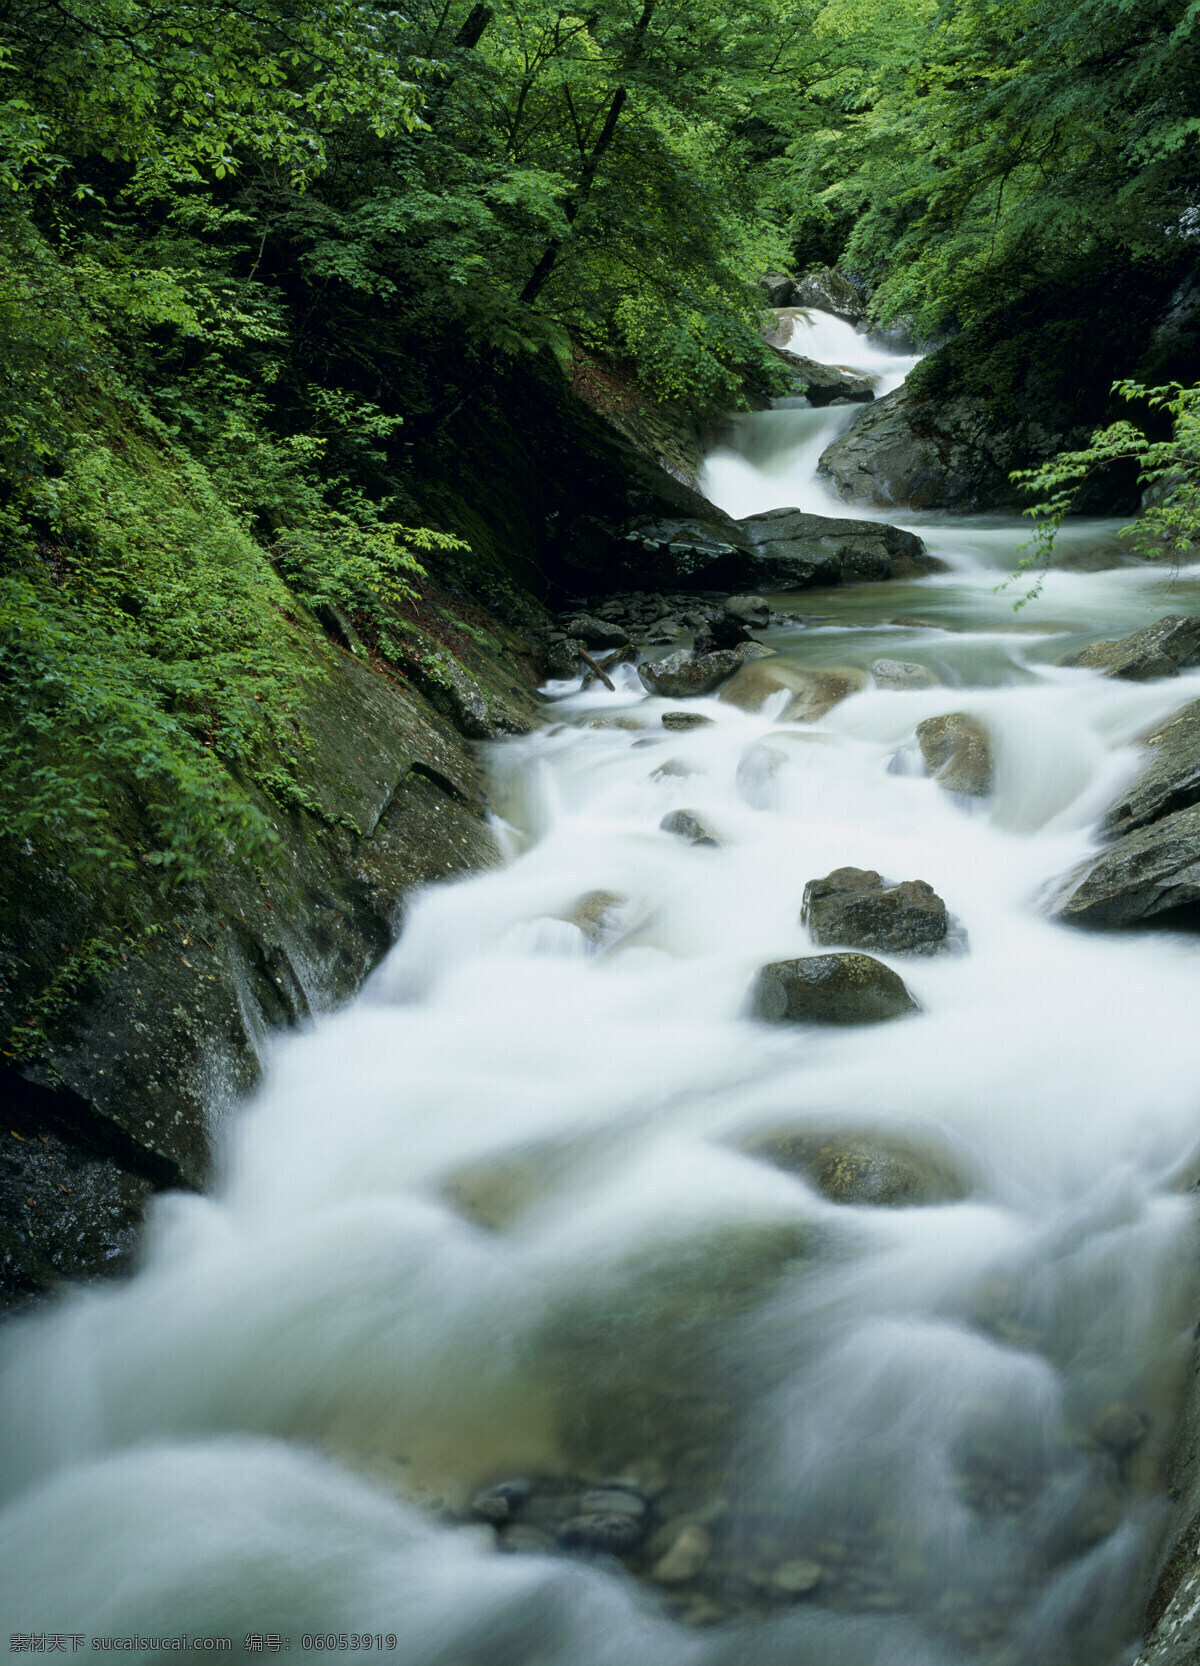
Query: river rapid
{"type": "Point", "coordinates": [501, 1218]}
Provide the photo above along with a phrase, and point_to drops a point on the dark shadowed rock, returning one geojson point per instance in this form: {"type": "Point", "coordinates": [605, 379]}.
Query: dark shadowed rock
{"type": "Point", "coordinates": [685, 673]}
{"type": "Point", "coordinates": [786, 549]}
{"type": "Point", "coordinates": [1143, 874]}
{"type": "Point", "coordinates": [562, 659]}
{"type": "Point", "coordinates": [908, 452]}
{"type": "Point", "coordinates": [604, 1533]}
{"type": "Point", "coordinates": [684, 720]}
{"type": "Point", "coordinates": [1171, 779]}
{"type": "Point", "coordinates": [878, 1168]}
{"type": "Point", "coordinates": [685, 825]}
{"type": "Point", "coordinates": [779, 289]}
{"type": "Point", "coordinates": [794, 549]}
{"type": "Point", "coordinates": [902, 674]}
{"type": "Point", "coordinates": [596, 633]}
{"type": "Point", "coordinates": [1162, 649]}
{"type": "Point", "coordinates": [752, 611]}
{"type": "Point", "coordinates": [958, 753]}
{"type": "Point", "coordinates": [831, 989]}
{"type": "Point", "coordinates": [853, 906]}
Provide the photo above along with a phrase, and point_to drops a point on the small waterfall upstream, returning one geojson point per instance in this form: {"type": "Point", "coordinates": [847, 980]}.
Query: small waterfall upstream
{"type": "Point", "coordinates": [503, 1218]}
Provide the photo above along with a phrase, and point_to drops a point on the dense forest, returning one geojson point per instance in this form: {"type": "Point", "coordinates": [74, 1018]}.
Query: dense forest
{"type": "Point", "coordinates": [252, 252]}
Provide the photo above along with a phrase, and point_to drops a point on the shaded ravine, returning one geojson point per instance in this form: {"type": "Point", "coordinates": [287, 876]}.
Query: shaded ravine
{"type": "Point", "coordinates": [508, 1217]}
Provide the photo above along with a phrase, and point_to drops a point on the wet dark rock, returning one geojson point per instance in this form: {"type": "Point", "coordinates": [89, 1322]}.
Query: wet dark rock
{"type": "Point", "coordinates": [831, 989]}
{"type": "Point", "coordinates": [908, 452]}
{"type": "Point", "coordinates": [902, 674]}
{"type": "Point", "coordinates": [722, 632]}
{"type": "Point", "coordinates": [785, 549]}
{"type": "Point", "coordinates": [502, 1502]}
{"type": "Point", "coordinates": [562, 659]}
{"type": "Point", "coordinates": [595, 633]}
{"type": "Point", "coordinates": [794, 549]}
{"type": "Point", "coordinates": [685, 673]}
{"type": "Point", "coordinates": [958, 753]}
{"type": "Point", "coordinates": [610, 1533]}
{"type": "Point", "coordinates": [684, 720]}
{"type": "Point", "coordinates": [779, 289]}
{"type": "Point", "coordinates": [1169, 781]}
{"type": "Point", "coordinates": [854, 907]}
{"type": "Point", "coordinates": [684, 825]}
{"type": "Point", "coordinates": [884, 1169]}
{"type": "Point", "coordinates": [1163, 649]}
{"type": "Point", "coordinates": [1145, 873]}
{"type": "Point", "coordinates": [752, 611]}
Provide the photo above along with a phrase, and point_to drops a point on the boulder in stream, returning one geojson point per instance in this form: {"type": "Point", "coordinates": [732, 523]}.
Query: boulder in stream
{"type": "Point", "coordinates": [1163, 649]}
{"type": "Point", "coordinates": [902, 674]}
{"type": "Point", "coordinates": [684, 720]}
{"type": "Point", "coordinates": [958, 753]}
{"type": "Point", "coordinates": [752, 611]}
{"type": "Point", "coordinates": [685, 824]}
{"type": "Point", "coordinates": [783, 549]}
{"type": "Point", "coordinates": [794, 549]}
{"type": "Point", "coordinates": [854, 907]}
{"type": "Point", "coordinates": [862, 1167]}
{"type": "Point", "coordinates": [1145, 873]}
{"type": "Point", "coordinates": [596, 633]}
{"type": "Point", "coordinates": [831, 989]}
{"type": "Point", "coordinates": [1171, 779]}
{"type": "Point", "coordinates": [684, 673]}
{"type": "Point", "coordinates": [813, 691]}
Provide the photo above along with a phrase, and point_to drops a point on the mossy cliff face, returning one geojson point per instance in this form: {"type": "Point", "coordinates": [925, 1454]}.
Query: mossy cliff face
{"type": "Point", "coordinates": [133, 1009]}
{"type": "Point", "coordinates": [137, 1018]}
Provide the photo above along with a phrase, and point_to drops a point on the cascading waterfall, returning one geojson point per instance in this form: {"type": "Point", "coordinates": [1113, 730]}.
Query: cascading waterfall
{"type": "Point", "coordinates": [503, 1216]}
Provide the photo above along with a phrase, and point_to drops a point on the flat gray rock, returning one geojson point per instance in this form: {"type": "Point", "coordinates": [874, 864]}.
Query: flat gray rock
{"type": "Point", "coordinates": [1143, 874]}
{"type": "Point", "coordinates": [1171, 779]}
{"type": "Point", "coordinates": [1162, 649]}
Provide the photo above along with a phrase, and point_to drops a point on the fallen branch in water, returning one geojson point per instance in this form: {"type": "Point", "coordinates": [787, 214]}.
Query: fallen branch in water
{"type": "Point", "coordinates": [592, 666]}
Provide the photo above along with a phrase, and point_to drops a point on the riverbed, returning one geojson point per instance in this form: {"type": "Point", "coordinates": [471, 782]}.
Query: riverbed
{"type": "Point", "coordinates": [507, 1219]}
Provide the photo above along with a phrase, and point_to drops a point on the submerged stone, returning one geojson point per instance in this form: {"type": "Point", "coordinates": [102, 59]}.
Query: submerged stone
{"type": "Point", "coordinates": [831, 989]}
{"type": "Point", "coordinates": [684, 720]}
{"type": "Point", "coordinates": [883, 1169]}
{"type": "Point", "coordinates": [687, 826]}
{"type": "Point", "coordinates": [902, 674]}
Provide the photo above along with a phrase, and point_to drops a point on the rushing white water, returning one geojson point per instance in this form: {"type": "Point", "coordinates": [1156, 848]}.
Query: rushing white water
{"type": "Point", "coordinates": [771, 459]}
{"type": "Point", "coordinates": [499, 1216]}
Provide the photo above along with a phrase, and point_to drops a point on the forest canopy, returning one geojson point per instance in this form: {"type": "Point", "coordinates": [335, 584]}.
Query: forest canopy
{"type": "Point", "coordinates": [248, 249]}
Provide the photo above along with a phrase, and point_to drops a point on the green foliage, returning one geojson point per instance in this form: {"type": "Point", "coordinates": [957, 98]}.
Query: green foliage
{"type": "Point", "coordinates": [1168, 470]}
